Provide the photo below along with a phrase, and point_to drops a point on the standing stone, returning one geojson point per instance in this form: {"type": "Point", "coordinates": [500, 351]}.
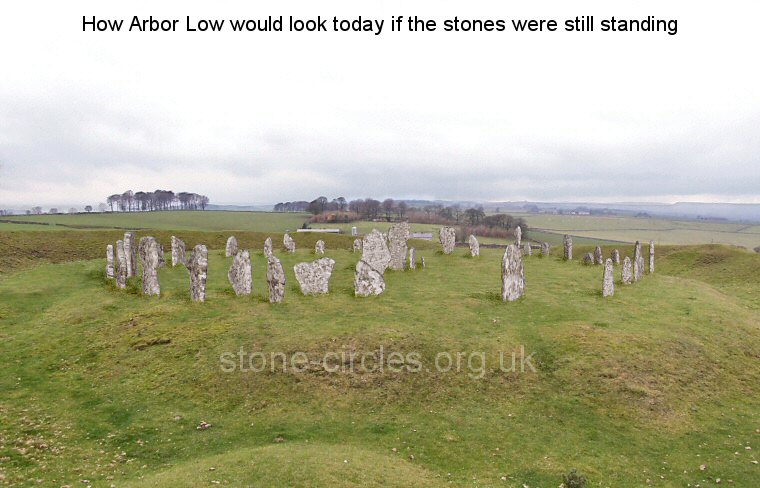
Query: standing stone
{"type": "Point", "coordinates": [651, 257]}
{"type": "Point", "coordinates": [150, 258]}
{"type": "Point", "coordinates": [290, 245]}
{"type": "Point", "coordinates": [367, 280]}
{"type": "Point", "coordinates": [527, 250]}
{"type": "Point", "coordinates": [544, 249]}
{"type": "Point", "coordinates": [268, 247]}
{"type": "Point", "coordinates": [598, 259]}
{"type": "Point", "coordinates": [627, 274]}
{"type": "Point", "coordinates": [422, 260]}
{"type": "Point", "coordinates": [397, 237]}
{"type": "Point", "coordinates": [275, 279]}
{"type": "Point", "coordinates": [588, 258]}
{"type": "Point", "coordinates": [240, 273]}
{"type": "Point", "coordinates": [412, 258]}
{"type": "Point", "coordinates": [375, 251]}
{"type": "Point", "coordinates": [232, 247]}
{"type": "Point", "coordinates": [474, 246]}
{"type": "Point", "coordinates": [608, 282]}
{"type": "Point", "coordinates": [357, 245]}
{"type": "Point", "coordinates": [568, 243]}
{"type": "Point", "coordinates": [319, 248]}
{"type": "Point", "coordinates": [130, 250]}
{"type": "Point", "coordinates": [512, 274]}
{"type": "Point", "coordinates": [120, 265]}
{"type": "Point", "coordinates": [109, 261]}
{"type": "Point", "coordinates": [518, 236]}
{"type": "Point", "coordinates": [638, 263]}
{"type": "Point", "coordinates": [314, 277]}
{"type": "Point", "coordinates": [353, 231]}
{"type": "Point", "coordinates": [178, 252]}
{"type": "Point", "coordinates": [447, 236]}
{"type": "Point", "coordinates": [615, 257]}
{"type": "Point", "coordinates": [197, 268]}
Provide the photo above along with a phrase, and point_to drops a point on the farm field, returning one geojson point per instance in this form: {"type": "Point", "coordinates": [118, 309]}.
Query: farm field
{"type": "Point", "coordinates": [100, 386]}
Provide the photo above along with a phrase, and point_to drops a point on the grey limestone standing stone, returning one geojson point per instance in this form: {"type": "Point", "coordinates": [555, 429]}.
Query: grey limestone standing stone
{"type": "Point", "coordinates": [357, 245]}
{"type": "Point", "coordinates": [518, 236]}
{"type": "Point", "coordinates": [268, 247]}
{"type": "Point", "coordinates": [412, 258]}
{"type": "Point", "coordinates": [197, 268]}
{"type": "Point", "coordinates": [314, 277]}
{"type": "Point", "coordinates": [353, 231]}
{"type": "Point", "coordinates": [319, 248]}
{"type": "Point", "coordinates": [109, 261]}
{"type": "Point", "coordinates": [232, 248]}
{"type": "Point", "coordinates": [627, 274]}
{"type": "Point", "coordinates": [512, 274]}
{"type": "Point", "coordinates": [615, 257]}
{"type": "Point", "coordinates": [638, 263]}
{"type": "Point", "coordinates": [290, 245]}
{"type": "Point", "coordinates": [545, 248]}
{"type": "Point", "coordinates": [474, 246]}
{"type": "Point", "coordinates": [367, 280]}
{"type": "Point", "coordinates": [151, 255]}
{"type": "Point", "coordinates": [422, 260]}
{"type": "Point", "coordinates": [588, 258]}
{"type": "Point", "coordinates": [651, 257]}
{"type": "Point", "coordinates": [447, 236]}
{"type": "Point", "coordinates": [527, 250]}
{"type": "Point", "coordinates": [608, 282]}
{"type": "Point", "coordinates": [275, 279]}
{"type": "Point", "coordinates": [240, 273]}
{"type": "Point", "coordinates": [568, 244]}
{"type": "Point", "coordinates": [397, 237]}
{"type": "Point", "coordinates": [598, 259]}
{"type": "Point", "coordinates": [130, 250]}
{"type": "Point", "coordinates": [120, 265]}
{"type": "Point", "coordinates": [178, 252]}
{"type": "Point", "coordinates": [375, 251]}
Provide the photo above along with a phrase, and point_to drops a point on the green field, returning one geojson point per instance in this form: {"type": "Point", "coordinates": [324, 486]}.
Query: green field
{"type": "Point", "coordinates": [101, 386]}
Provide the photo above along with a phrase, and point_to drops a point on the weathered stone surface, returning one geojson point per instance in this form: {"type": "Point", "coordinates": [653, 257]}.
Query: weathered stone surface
{"type": "Point", "coordinates": [447, 236]}
{"type": "Point", "coordinates": [545, 248]}
{"type": "Point", "coordinates": [588, 258]}
{"type": "Point", "coordinates": [319, 248]}
{"type": "Point", "coordinates": [151, 255]}
{"type": "Point", "coordinates": [615, 257]}
{"type": "Point", "coordinates": [422, 260]}
{"type": "Point", "coordinates": [627, 273]}
{"type": "Point", "coordinates": [275, 279]}
{"type": "Point", "coordinates": [367, 280]}
{"type": "Point", "coordinates": [567, 241]}
{"type": "Point", "coordinates": [518, 236]}
{"type": "Point", "coordinates": [314, 277]}
{"type": "Point", "coordinates": [397, 237]}
{"type": "Point", "coordinates": [638, 263]}
{"type": "Point", "coordinates": [527, 250]}
{"type": "Point", "coordinates": [240, 274]}
{"type": "Point", "coordinates": [598, 258]}
{"type": "Point", "coordinates": [197, 268]}
{"type": "Point", "coordinates": [109, 261]}
{"type": "Point", "coordinates": [608, 282]}
{"type": "Point", "coordinates": [353, 231]}
{"type": "Point", "coordinates": [120, 265]}
{"type": "Point", "coordinates": [290, 245]}
{"type": "Point", "coordinates": [130, 250]}
{"type": "Point", "coordinates": [474, 246]}
{"type": "Point", "coordinates": [232, 248]}
{"type": "Point", "coordinates": [268, 247]}
{"type": "Point", "coordinates": [375, 251]}
{"type": "Point", "coordinates": [651, 257]}
{"type": "Point", "coordinates": [357, 245]}
{"type": "Point", "coordinates": [412, 258]}
{"type": "Point", "coordinates": [512, 274]}
{"type": "Point", "coordinates": [178, 252]}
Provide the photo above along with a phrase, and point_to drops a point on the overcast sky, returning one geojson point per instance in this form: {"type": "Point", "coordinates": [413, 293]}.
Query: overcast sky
{"type": "Point", "coordinates": [264, 117]}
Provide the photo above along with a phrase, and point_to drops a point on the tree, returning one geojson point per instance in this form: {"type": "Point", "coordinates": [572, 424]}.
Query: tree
{"type": "Point", "coordinates": [72, 210]}
{"type": "Point", "coordinates": [341, 203]}
{"type": "Point", "coordinates": [456, 212]}
{"type": "Point", "coordinates": [36, 210]}
{"type": "Point", "coordinates": [53, 211]}
{"type": "Point", "coordinates": [401, 209]}
{"type": "Point", "coordinates": [113, 200]}
{"type": "Point", "coordinates": [203, 202]}
{"type": "Point", "coordinates": [102, 207]}
{"type": "Point", "coordinates": [388, 205]}
{"type": "Point", "coordinates": [88, 208]}
{"type": "Point", "coordinates": [474, 215]}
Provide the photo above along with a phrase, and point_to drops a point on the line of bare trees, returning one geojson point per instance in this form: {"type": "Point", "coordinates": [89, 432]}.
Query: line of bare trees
{"type": "Point", "coordinates": [141, 201]}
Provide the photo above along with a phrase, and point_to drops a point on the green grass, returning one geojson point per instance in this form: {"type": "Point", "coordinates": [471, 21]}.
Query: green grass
{"type": "Point", "coordinates": [99, 383]}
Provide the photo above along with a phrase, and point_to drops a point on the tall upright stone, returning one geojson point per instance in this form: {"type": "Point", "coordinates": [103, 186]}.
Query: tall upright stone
{"type": "Point", "coordinates": [422, 261]}
{"type": "Point", "coordinates": [638, 263]}
{"type": "Point", "coordinates": [545, 249]}
{"type": "Point", "coordinates": [231, 249]}
{"type": "Point", "coordinates": [290, 244]}
{"type": "Point", "coordinates": [608, 282]}
{"type": "Point", "coordinates": [518, 236]}
{"type": "Point", "coordinates": [130, 250]}
{"type": "Point", "coordinates": [109, 261]}
{"type": "Point", "coordinates": [588, 259]}
{"type": "Point", "coordinates": [527, 250]}
{"type": "Point", "coordinates": [474, 246]}
{"type": "Point", "coordinates": [120, 265]}
{"type": "Point", "coordinates": [275, 279]}
{"type": "Point", "coordinates": [512, 274]}
{"type": "Point", "coordinates": [627, 273]}
{"type": "Point", "coordinates": [357, 245]}
{"type": "Point", "coordinates": [178, 252]}
{"type": "Point", "coordinates": [651, 257]}
{"type": "Point", "coordinates": [412, 258]}
{"type": "Point", "coordinates": [615, 257]}
{"type": "Point", "coordinates": [268, 247]}
{"type": "Point", "coordinates": [319, 248]}
{"type": "Point", "coordinates": [353, 231]}
{"type": "Point", "coordinates": [151, 255]}
{"type": "Point", "coordinates": [398, 234]}
{"type": "Point", "coordinates": [314, 277]}
{"type": "Point", "coordinates": [240, 273]}
{"type": "Point", "coordinates": [367, 280]}
{"type": "Point", "coordinates": [598, 258]}
{"type": "Point", "coordinates": [447, 236]}
{"type": "Point", "coordinates": [567, 241]}
{"type": "Point", "coordinates": [197, 268]}
{"type": "Point", "coordinates": [375, 251]}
